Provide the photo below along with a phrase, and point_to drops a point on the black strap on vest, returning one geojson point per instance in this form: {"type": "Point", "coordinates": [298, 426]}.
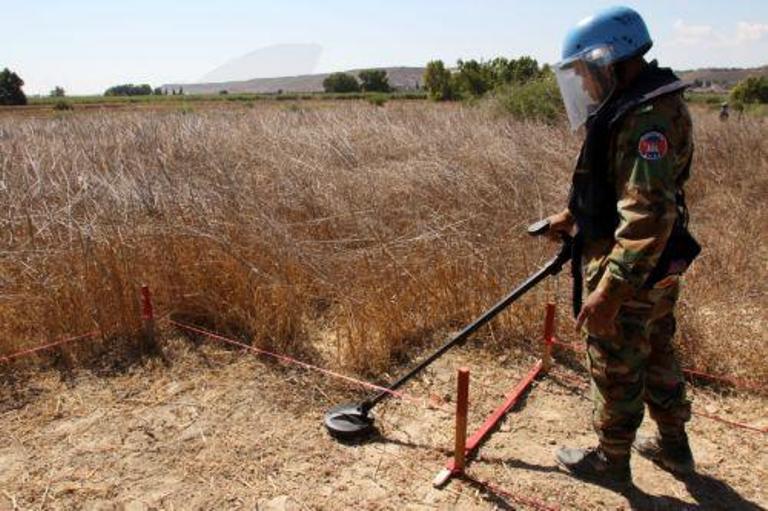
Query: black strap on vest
{"type": "Point", "coordinates": [681, 248]}
{"type": "Point", "coordinates": [577, 254]}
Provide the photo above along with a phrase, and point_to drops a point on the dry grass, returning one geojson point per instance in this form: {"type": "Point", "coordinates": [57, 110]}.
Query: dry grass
{"type": "Point", "coordinates": [218, 430]}
{"type": "Point", "coordinates": [367, 228]}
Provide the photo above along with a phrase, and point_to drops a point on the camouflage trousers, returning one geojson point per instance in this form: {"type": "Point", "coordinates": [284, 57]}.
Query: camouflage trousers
{"type": "Point", "coordinates": [638, 366]}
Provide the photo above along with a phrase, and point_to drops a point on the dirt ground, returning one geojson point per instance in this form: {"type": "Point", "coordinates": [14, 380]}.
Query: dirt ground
{"type": "Point", "coordinates": [221, 429]}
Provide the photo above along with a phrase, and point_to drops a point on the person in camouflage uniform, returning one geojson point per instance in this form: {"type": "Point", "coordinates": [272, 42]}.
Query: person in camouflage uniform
{"type": "Point", "coordinates": [639, 340]}
{"type": "Point", "coordinates": [625, 205]}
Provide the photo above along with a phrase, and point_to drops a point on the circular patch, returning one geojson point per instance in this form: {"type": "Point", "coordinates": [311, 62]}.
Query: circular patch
{"type": "Point", "coordinates": [653, 146]}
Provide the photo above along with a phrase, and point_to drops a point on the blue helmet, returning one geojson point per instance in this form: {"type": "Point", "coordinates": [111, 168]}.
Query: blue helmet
{"type": "Point", "coordinates": [620, 28]}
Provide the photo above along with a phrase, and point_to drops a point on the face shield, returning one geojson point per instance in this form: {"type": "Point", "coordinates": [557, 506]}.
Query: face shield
{"type": "Point", "coordinates": [586, 81]}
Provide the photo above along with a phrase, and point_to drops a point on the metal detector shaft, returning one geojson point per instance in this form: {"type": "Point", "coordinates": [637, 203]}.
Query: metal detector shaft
{"type": "Point", "coordinates": [552, 267]}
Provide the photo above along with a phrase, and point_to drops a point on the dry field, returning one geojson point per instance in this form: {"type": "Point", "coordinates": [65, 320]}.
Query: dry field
{"type": "Point", "coordinates": [354, 237]}
{"type": "Point", "coordinates": [349, 234]}
{"type": "Point", "coordinates": [223, 430]}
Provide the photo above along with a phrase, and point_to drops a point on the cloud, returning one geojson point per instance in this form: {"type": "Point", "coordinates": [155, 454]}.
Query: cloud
{"type": "Point", "coordinates": [706, 36]}
{"type": "Point", "coordinates": [750, 32]}
{"type": "Point", "coordinates": [689, 35]}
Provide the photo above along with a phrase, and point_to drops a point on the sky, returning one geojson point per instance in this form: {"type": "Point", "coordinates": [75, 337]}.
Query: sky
{"type": "Point", "coordinates": [86, 46]}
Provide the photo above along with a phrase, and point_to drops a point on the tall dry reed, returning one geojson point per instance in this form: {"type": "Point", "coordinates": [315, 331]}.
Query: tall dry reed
{"type": "Point", "coordinates": [348, 234]}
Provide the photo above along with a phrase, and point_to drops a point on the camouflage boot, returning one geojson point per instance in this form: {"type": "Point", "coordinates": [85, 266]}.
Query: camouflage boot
{"type": "Point", "coordinates": [593, 465]}
{"type": "Point", "coordinates": [671, 454]}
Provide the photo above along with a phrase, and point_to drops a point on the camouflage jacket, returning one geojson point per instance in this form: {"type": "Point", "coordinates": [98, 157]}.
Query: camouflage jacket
{"type": "Point", "coordinates": [649, 150]}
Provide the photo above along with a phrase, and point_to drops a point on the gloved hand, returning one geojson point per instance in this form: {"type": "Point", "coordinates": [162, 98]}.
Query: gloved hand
{"type": "Point", "coordinates": [559, 224]}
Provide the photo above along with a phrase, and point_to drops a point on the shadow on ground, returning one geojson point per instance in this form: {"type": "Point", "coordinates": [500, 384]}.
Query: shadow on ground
{"type": "Point", "coordinates": [708, 492]}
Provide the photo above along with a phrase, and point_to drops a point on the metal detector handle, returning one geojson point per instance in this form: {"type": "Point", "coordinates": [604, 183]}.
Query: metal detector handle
{"type": "Point", "coordinates": [566, 249]}
{"type": "Point", "coordinates": [552, 267]}
{"type": "Point", "coordinates": [542, 227]}
{"type": "Point", "coordinates": [570, 250]}
{"type": "Point", "coordinates": [539, 228]}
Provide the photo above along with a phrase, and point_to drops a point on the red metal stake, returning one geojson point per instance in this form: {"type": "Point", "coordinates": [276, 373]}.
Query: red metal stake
{"type": "Point", "coordinates": [148, 316]}
{"type": "Point", "coordinates": [462, 405]}
{"type": "Point", "coordinates": [490, 423]}
{"type": "Point", "coordinates": [147, 311]}
{"type": "Point", "coordinates": [549, 338]}
{"type": "Point", "coordinates": [460, 440]}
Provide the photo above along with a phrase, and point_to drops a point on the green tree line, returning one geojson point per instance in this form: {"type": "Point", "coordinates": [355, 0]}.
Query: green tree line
{"type": "Point", "coordinates": [369, 80]}
{"type": "Point", "coordinates": [753, 89]}
{"type": "Point", "coordinates": [520, 87]}
{"type": "Point", "coordinates": [473, 78]}
{"type": "Point", "coordinates": [129, 89]}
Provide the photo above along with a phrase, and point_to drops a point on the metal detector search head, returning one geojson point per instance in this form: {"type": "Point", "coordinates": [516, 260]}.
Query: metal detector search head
{"type": "Point", "coordinates": [348, 421]}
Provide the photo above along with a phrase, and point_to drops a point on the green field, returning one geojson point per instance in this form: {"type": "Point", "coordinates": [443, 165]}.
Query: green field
{"type": "Point", "coordinates": [713, 100]}
{"type": "Point", "coordinates": [246, 97]}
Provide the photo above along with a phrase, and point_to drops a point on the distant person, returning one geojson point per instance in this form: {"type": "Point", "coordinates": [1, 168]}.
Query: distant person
{"type": "Point", "coordinates": [627, 209]}
{"type": "Point", "coordinates": [725, 111]}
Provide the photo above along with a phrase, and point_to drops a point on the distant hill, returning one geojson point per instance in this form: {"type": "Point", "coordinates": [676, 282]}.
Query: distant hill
{"type": "Point", "coordinates": [410, 78]}
{"type": "Point", "coordinates": [275, 60]}
{"type": "Point", "coordinates": [723, 78]}
{"type": "Point", "coordinates": [401, 78]}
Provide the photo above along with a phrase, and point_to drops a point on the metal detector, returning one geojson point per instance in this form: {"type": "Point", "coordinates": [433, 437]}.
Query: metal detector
{"type": "Point", "coordinates": [353, 420]}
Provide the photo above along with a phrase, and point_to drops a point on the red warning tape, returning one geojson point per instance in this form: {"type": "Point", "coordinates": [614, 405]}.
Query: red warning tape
{"type": "Point", "coordinates": [520, 499]}
{"type": "Point", "coordinates": [573, 380]}
{"type": "Point", "coordinates": [699, 414]}
{"type": "Point", "coordinates": [733, 382]}
{"type": "Point", "coordinates": [730, 423]}
{"type": "Point", "coordinates": [30, 351]}
{"type": "Point", "coordinates": [401, 395]}
{"type": "Point", "coordinates": [305, 365]}
{"type": "Point", "coordinates": [568, 346]}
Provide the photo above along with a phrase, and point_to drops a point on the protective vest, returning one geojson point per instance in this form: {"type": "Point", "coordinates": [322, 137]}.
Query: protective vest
{"type": "Point", "coordinates": [593, 198]}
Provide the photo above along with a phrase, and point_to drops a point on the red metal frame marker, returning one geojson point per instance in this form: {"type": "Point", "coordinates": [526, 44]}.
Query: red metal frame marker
{"type": "Point", "coordinates": [512, 399]}
{"type": "Point", "coordinates": [490, 423]}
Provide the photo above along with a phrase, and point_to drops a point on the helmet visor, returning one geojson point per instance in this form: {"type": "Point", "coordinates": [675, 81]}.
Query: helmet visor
{"type": "Point", "coordinates": [586, 81]}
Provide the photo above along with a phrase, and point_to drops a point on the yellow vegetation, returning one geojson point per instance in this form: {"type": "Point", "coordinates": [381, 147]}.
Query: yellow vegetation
{"type": "Point", "coordinates": [351, 232]}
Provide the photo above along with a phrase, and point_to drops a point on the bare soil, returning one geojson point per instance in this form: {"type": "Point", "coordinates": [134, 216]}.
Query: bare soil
{"type": "Point", "coordinates": [222, 429]}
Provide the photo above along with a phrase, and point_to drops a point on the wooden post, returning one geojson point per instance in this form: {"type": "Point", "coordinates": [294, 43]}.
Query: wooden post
{"type": "Point", "coordinates": [549, 337]}
{"type": "Point", "coordinates": [462, 406]}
